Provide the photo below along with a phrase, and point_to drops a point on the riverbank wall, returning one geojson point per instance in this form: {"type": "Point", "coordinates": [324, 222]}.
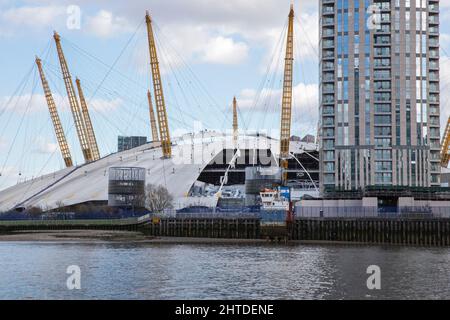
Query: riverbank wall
{"type": "Point", "coordinates": [396, 231]}
{"type": "Point", "coordinates": [204, 228]}
{"type": "Point", "coordinates": [424, 232]}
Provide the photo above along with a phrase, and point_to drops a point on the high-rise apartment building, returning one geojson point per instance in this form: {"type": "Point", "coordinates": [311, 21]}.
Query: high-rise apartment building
{"type": "Point", "coordinates": [379, 108]}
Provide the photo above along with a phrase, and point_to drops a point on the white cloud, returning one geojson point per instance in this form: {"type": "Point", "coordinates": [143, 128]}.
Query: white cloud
{"type": "Point", "coordinates": [308, 39]}
{"type": "Point", "coordinates": [225, 51]}
{"type": "Point", "coordinates": [105, 106]}
{"type": "Point", "coordinates": [444, 39]}
{"type": "Point", "coordinates": [28, 103]}
{"type": "Point", "coordinates": [8, 176]}
{"type": "Point", "coordinates": [42, 146]}
{"type": "Point", "coordinates": [34, 18]}
{"type": "Point", "coordinates": [199, 30]}
{"type": "Point", "coordinates": [203, 29]}
{"type": "Point", "coordinates": [444, 9]}
{"type": "Point", "coordinates": [185, 42]}
{"type": "Point", "coordinates": [3, 143]}
{"type": "Point", "coordinates": [105, 24]}
{"type": "Point", "coordinates": [305, 98]}
{"type": "Point", "coordinates": [32, 104]}
{"type": "Point", "coordinates": [178, 44]}
{"type": "Point", "coordinates": [247, 94]}
{"type": "Point", "coordinates": [306, 44]}
{"type": "Point", "coordinates": [305, 105]}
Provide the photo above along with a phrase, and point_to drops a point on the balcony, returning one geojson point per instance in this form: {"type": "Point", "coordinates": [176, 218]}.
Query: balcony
{"type": "Point", "coordinates": [327, 32]}
{"type": "Point", "coordinates": [328, 66]}
{"type": "Point", "coordinates": [434, 110]}
{"type": "Point", "coordinates": [383, 6]}
{"type": "Point", "coordinates": [383, 51]}
{"type": "Point", "coordinates": [434, 54]}
{"type": "Point", "coordinates": [434, 7]}
{"type": "Point", "coordinates": [434, 65]}
{"type": "Point", "coordinates": [329, 166]}
{"type": "Point", "coordinates": [328, 88]}
{"type": "Point", "coordinates": [382, 63]}
{"type": "Point", "coordinates": [435, 144]}
{"type": "Point", "coordinates": [382, 97]}
{"type": "Point", "coordinates": [328, 21]}
{"type": "Point", "coordinates": [433, 76]}
{"type": "Point", "coordinates": [434, 121]}
{"type": "Point", "coordinates": [384, 28]}
{"type": "Point", "coordinates": [328, 77]}
{"type": "Point", "coordinates": [329, 111]}
{"type": "Point", "coordinates": [328, 122]}
{"type": "Point", "coordinates": [382, 74]}
{"type": "Point", "coordinates": [385, 17]}
{"type": "Point", "coordinates": [382, 40]}
{"type": "Point", "coordinates": [328, 44]}
{"type": "Point", "coordinates": [434, 133]}
{"type": "Point", "coordinates": [328, 99]}
{"type": "Point", "coordinates": [328, 54]}
{"type": "Point", "coordinates": [382, 85]}
{"type": "Point", "coordinates": [328, 133]}
{"type": "Point", "coordinates": [433, 98]}
{"type": "Point", "coordinates": [326, 10]}
{"type": "Point", "coordinates": [433, 30]}
{"type": "Point", "coordinates": [433, 42]}
{"type": "Point", "coordinates": [328, 156]}
{"type": "Point", "coordinates": [434, 88]}
{"type": "Point", "coordinates": [433, 19]}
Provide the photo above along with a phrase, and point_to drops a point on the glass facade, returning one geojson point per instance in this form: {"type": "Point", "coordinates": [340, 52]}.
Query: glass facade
{"type": "Point", "coordinates": [379, 82]}
{"type": "Point", "coordinates": [127, 143]}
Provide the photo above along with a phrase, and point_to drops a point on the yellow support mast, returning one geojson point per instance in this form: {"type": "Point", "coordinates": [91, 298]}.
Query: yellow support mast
{"type": "Point", "coordinates": [88, 123]}
{"type": "Point", "coordinates": [286, 111]}
{"type": "Point", "coordinates": [159, 94]}
{"type": "Point", "coordinates": [155, 137]}
{"type": "Point", "coordinates": [60, 136]}
{"type": "Point", "coordinates": [445, 145]}
{"type": "Point", "coordinates": [235, 123]}
{"type": "Point", "coordinates": [73, 101]}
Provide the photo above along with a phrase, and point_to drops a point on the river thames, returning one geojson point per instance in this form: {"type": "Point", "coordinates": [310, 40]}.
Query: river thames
{"type": "Point", "coordinates": [170, 271]}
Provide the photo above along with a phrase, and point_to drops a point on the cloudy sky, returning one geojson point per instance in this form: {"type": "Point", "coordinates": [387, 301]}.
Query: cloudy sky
{"type": "Point", "coordinates": [209, 52]}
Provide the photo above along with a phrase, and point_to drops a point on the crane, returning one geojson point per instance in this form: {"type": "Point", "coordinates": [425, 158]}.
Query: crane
{"type": "Point", "coordinates": [235, 123]}
{"type": "Point", "coordinates": [60, 136]}
{"type": "Point", "coordinates": [159, 94]}
{"type": "Point", "coordinates": [73, 101]}
{"type": "Point", "coordinates": [286, 111]}
{"type": "Point", "coordinates": [88, 123]}
{"type": "Point", "coordinates": [445, 145]}
{"type": "Point", "coordinates": [155, 137]}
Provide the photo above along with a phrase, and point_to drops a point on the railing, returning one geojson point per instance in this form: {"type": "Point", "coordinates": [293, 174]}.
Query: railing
{"type": "Point", "coordinates": [58, 223]}
{"type": "Point", "coordinates": [424, 212]}
{"type": "Point", "coordinates": [218, 215]}
{"type": "Point", "coordinates": [328, 9]}
{"type": "Point", "coordinates": [68, 216]}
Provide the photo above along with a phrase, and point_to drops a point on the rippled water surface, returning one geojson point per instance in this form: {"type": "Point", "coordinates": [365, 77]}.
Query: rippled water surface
{"type": "Point", "coordinates": [143, 271]}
